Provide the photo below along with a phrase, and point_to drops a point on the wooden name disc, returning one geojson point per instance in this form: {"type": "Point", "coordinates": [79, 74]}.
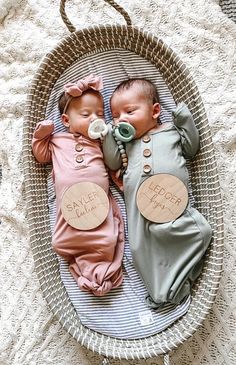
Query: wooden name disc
{"type": "Point", "coordinates": [162, 198]}
{"type": "Point", "coordinates": [85, 205]}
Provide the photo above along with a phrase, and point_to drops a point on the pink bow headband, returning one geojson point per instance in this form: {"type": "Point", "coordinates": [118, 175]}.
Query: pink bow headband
{"type": "Point", "coordinates": [77, 88]}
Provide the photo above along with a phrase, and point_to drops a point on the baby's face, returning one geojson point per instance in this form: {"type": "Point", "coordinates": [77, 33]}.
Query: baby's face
{"type": "Point", "coordinates": [133, 107]}
{"type": "Point", "coordinates": [82, 111]}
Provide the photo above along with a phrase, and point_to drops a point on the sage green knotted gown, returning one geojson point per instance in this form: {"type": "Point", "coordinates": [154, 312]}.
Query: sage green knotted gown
{"type": "Point", "coordinates": [168, 256]}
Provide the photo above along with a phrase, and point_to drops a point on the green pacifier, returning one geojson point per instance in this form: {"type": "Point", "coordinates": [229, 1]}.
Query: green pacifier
{"type": "Point", "coordinates": [124, 132]}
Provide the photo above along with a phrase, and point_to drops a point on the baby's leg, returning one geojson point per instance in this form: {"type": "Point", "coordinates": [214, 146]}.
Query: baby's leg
{"type": "Point", "coordinates": [170, 258]}
{"type": "Point", "coordinates": [95, 256]}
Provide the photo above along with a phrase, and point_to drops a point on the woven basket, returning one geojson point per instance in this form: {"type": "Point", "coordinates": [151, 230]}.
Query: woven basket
{"type": "Point", "coordinates": [204, 179]}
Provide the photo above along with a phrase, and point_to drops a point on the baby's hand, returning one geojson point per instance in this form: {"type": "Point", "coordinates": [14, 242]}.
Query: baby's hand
{"type": "Point", "coordinates": [44, 129]}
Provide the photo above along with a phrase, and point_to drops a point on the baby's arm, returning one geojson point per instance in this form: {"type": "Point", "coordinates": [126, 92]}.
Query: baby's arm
{"type": "Point", "coordinates": [185, 125]}
{"type": "Point", "coordinates": [111, 151]}
{"type": "Point", "coordinates": [41, 141]}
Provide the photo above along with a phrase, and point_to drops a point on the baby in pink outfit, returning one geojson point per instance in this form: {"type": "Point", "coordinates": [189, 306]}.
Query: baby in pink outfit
{"type": "Point", "coordinates": [95, 255]}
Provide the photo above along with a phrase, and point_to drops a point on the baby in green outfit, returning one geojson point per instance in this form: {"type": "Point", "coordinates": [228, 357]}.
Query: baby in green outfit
{"type": "Point", "coordinates": [168, 256]}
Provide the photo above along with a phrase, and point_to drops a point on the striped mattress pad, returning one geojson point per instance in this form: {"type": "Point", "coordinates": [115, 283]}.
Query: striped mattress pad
{"type": "Point", "coordinates": [121, 313]}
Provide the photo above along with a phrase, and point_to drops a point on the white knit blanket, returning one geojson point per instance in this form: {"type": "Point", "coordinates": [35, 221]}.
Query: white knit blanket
{"type": "Point", "coordinates": [205, 39]}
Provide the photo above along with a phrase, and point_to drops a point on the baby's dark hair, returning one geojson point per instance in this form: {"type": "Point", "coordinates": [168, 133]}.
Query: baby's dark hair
{"type": "Point", "coordinates": [147, 86]}
{"type": "Point", "coordinates": [63, 101]}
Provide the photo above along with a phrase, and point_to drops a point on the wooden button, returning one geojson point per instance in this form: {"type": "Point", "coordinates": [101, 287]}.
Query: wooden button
{"type": "Point", "coordinates": [146, 138]}
{"type": "Point", "coordinates": [79, 159]}
{"type": "Point", "coordinates": [147, 152]}
{"type": "Point", "coordinates": [146, 169]}
{"type": "Point", "coordinates": [78, 147]}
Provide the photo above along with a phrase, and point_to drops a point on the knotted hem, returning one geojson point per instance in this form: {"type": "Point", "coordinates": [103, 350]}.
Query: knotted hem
{"type": "Point", "coordinates": [91, 286]}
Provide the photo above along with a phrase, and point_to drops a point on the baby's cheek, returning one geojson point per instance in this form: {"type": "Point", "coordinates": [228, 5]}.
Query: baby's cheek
{"type": "Point", "coordinates": [83, 128]}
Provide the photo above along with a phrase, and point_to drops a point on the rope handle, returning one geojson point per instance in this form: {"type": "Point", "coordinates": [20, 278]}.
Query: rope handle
{"type": "Point", "coordinates": [72, 29]}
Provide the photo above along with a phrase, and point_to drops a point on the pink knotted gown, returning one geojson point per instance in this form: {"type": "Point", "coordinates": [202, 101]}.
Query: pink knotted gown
{"type": "Point", "coordinates": [94, 256]}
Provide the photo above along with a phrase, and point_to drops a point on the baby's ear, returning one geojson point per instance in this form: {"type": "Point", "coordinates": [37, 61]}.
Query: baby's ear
{"type": "Point", "coordinates": [65, 120]}
{"type": "Point", "coordinates": [156, 110]}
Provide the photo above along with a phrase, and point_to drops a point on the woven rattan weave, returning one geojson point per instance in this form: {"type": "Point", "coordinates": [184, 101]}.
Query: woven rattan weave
{"type": "Point", "coordinates": [204, 178]}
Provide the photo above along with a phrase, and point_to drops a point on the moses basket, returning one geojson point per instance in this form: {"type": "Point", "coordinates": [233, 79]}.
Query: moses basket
{"type": "Point", "coordinates": [204, 179]}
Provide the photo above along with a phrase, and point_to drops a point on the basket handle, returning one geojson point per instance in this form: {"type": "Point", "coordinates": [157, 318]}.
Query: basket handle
{"type": "Point", "coordinates": [110, 2]}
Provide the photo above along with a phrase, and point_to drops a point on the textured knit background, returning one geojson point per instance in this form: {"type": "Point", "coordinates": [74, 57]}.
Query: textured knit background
{"type": "Point", "coordinates": [205, 39]}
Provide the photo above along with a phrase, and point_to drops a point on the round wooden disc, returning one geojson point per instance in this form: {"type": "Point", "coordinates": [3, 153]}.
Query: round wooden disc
{"type": "Point", "coordinates": [85, 205]}
{"type": "Point", "coordinates": [162, 198]}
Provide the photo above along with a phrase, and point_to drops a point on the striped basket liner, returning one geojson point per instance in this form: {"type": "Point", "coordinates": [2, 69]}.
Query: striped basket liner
{"type": "Point", "coordinates": [122, 311]}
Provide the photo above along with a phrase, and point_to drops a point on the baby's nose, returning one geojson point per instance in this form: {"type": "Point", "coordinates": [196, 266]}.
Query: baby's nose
{"type": "Point", "coordinates": [123, 118]}
{"type": "Point", "coordinates": [95, 116]}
